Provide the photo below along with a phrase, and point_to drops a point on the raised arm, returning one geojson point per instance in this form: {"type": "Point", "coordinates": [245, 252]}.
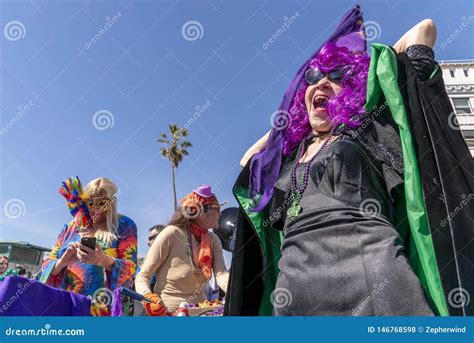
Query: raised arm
{"type": "Point", "coordinates": [422, 33]}
{"type": "Point", "coordinates": [258, 146]}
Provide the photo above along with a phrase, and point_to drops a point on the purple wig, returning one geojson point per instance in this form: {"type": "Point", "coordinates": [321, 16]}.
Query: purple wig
{"type": "Point", "coordinates": [347, 107]}
{"type": "Point", "coordinates": [265, 165]}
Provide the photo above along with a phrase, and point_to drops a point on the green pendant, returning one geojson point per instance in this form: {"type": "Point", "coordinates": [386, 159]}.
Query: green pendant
{"type": "Point", "coordinates": [294, 210]}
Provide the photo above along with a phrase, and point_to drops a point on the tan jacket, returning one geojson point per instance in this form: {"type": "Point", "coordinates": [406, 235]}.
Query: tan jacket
{"type": "Point", "coordinates": [176, 281]}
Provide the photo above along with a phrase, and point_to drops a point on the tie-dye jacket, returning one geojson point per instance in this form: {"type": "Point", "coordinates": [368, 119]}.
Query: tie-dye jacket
{"type": "Point", "coordinates": [93, 280]}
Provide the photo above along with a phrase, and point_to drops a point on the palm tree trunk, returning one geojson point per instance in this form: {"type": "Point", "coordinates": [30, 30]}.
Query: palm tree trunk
{"type": "Point", "coordinates": [174, 187]}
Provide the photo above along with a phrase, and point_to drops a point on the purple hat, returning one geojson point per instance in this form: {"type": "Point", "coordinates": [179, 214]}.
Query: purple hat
{"type": "Point", "coordinates": [204, 191]}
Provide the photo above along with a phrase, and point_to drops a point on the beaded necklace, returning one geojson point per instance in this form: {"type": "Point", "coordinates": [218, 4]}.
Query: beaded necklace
{"type": "Point", "coordinates": [298, 186]}
{"type": "Point", "coordinates": [189, 250]}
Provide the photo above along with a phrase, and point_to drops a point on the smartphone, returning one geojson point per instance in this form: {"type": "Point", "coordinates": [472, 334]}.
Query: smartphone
{"type": "Point", "coordinates": [89, 242]}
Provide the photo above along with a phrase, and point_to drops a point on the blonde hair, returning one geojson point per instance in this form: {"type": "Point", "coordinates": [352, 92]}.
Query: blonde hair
{"type": "Point", "coordinates": [103, 187]}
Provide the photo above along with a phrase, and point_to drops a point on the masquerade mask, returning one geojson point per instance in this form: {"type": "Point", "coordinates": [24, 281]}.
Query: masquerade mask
{"type": "Point", "coordinates": [97, 202]}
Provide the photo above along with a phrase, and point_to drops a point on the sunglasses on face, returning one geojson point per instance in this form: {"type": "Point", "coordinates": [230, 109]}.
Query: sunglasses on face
{"type": "Point", "coordinates": [97, 202]}
{"type": "Point", "coordinates": [150, 238]}
{"type": "Point", "coordinates": [218, 209]}
{"type": "Point", "coordinates": [314, 75]}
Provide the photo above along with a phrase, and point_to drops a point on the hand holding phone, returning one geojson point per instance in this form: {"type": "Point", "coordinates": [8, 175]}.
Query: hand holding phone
{"type": "Point", "coordinates": [89, 242]}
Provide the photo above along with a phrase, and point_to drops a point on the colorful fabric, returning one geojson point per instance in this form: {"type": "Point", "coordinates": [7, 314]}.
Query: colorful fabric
{"type": "Point", "coordinates": [85, 278]}
{"type": "Point", "coordinates": [446, 169]}
{"type": "Point", "coordinates": [194, 204]}
{"type": "Point", "coordinates": [383, 82]}
{"type": "Point", "coordinates": [205, 249]}
{"type": "Point", "coordinates": [25, 297]}
{"type": "Point", "coordinates": [9, 272]}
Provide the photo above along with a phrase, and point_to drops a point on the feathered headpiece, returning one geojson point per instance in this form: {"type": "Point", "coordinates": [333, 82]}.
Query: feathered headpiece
{"type": "Point", "coordinates": [72, 191]}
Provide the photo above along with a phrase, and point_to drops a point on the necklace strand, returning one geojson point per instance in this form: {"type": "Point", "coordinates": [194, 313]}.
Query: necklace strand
{"type": "Point", "coordinates": [298, 187]}
{"type": "Point", "coordinates": [189, 250]}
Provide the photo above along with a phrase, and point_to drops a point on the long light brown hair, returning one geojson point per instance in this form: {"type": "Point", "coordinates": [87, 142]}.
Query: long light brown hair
{"type": "Point", "coordinates": [179, 219]}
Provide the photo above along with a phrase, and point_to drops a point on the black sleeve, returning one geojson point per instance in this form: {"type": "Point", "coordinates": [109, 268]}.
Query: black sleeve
{"type": "Point", "coordinates": [422, 58]}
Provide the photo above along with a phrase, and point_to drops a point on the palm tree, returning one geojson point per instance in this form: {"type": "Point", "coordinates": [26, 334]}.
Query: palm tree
{"type": "Point", "coordinates": [174, 150]}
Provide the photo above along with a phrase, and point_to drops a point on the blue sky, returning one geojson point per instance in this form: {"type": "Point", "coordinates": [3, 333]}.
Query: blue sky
{"type": "Point", "coordinates": [143, 72]}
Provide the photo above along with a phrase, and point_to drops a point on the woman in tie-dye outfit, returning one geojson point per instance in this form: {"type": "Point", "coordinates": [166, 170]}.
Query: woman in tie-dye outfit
{"type": "Point", "coordinates": [76, 268]}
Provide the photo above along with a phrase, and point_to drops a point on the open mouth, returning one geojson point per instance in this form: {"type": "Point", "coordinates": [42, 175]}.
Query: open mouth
{"type": "Point", "coordinates": [320, 102]}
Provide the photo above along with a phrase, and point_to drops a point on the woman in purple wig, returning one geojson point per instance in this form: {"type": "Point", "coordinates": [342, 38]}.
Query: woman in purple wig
{"type": "Point", "coordinates": [341, 253]}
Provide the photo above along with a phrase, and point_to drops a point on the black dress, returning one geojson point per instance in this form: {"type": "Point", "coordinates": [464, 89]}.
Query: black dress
{"type": "Point", "coordinates": [342, 255]}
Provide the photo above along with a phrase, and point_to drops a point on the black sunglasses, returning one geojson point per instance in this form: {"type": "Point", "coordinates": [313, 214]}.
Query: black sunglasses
{"type": "Point", "coordinates": [150, 238]}
{"type": "Point", "coordinates": [314, 75]}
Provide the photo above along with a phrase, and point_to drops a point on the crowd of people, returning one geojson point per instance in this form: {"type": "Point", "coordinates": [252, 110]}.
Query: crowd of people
{"type": "Point", "coordinates": [181, 255]}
